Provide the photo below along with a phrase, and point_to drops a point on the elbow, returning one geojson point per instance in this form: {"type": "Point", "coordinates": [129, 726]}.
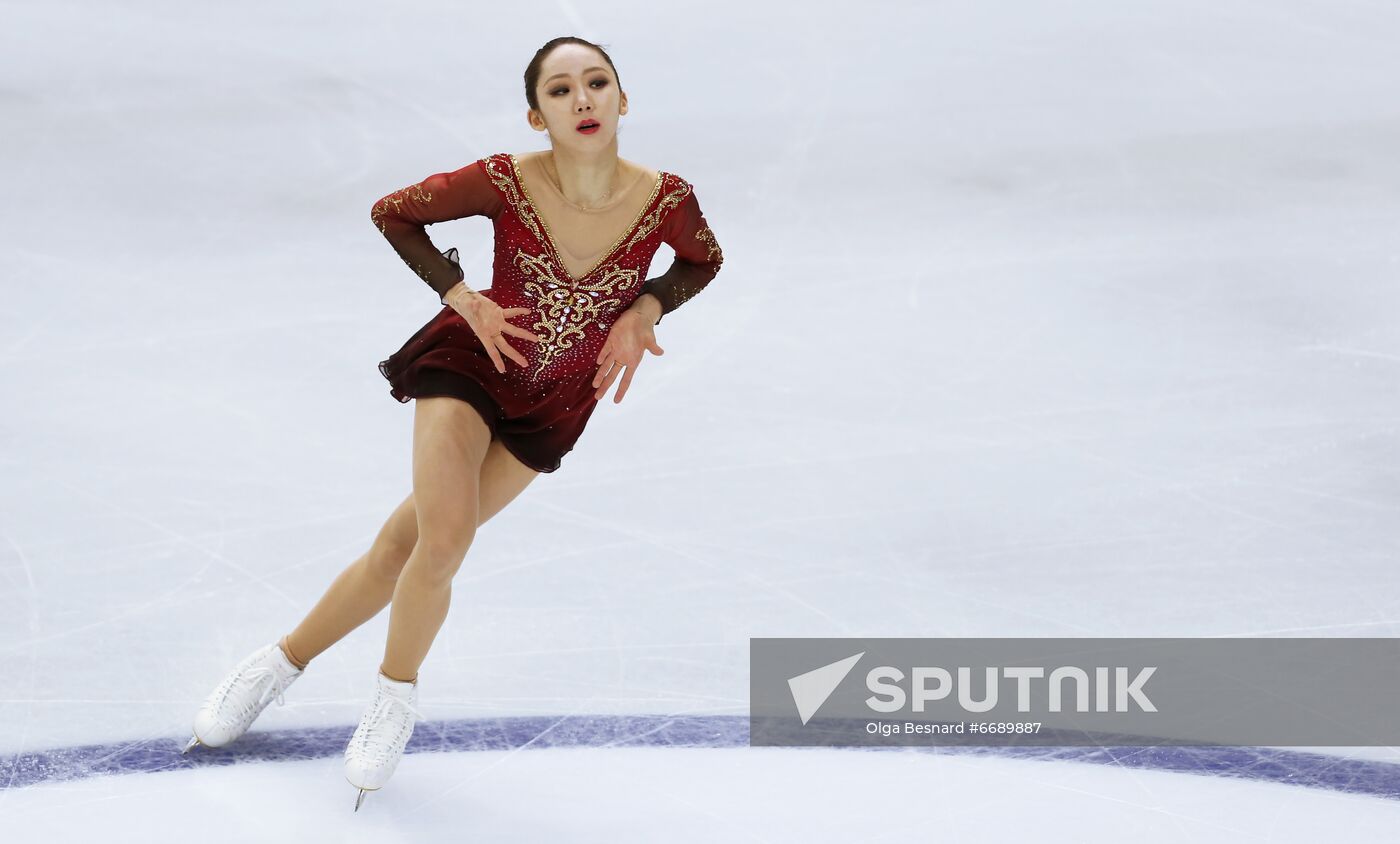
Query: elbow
{"type": "Point", "coordinates": [378, 212]}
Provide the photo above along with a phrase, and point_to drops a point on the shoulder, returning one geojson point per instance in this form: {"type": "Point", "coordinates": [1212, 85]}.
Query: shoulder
{"type": "Point", "coordinates": [675, 189]}
{"type": "Point", "coordinates": [642, 171]}
{"type": "Point", "coordinates": [670, 182]}
{"type": "Point", "coordinates": [499, 170]}
{"type": "Point", "coordinates": [499, 162]}
{"type": "Point", "coordinates": [494, 159]}
{"type": "Point", "coordinates": [674, 180]}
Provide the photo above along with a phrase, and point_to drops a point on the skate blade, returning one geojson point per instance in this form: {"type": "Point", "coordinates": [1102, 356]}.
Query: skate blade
{"type": "Point", "coordinates": [194, 740]}
{"type": "Point", "coordinates": [363, 791]}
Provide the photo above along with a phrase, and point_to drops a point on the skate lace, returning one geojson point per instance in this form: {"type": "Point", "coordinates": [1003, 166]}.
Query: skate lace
{"type": "Point", "coordinates": [251, 678]}
{"type": "Point", "coordinates": [383, 729]}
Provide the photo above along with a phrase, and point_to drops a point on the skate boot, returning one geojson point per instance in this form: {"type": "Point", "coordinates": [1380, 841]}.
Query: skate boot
{"type": "Point", "coordinates": [228, 712]}
{"type": "Point", "coordinates": [377, 745]}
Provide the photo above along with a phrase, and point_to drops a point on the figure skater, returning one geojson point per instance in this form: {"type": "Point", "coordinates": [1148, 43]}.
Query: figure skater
{"type": "Point", "coordinates": [575, 231]}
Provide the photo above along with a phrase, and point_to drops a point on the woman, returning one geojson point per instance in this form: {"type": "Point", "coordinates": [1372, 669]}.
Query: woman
{"type": "Point", "coordinates": [505, 379]}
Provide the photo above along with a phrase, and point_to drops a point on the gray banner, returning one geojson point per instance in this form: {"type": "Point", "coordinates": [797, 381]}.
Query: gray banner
{"type": "Point", "coordinates": [1074, 692]}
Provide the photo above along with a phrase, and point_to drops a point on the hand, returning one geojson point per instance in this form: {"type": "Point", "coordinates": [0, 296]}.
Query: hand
{"type": "Point", "coordinates": [488, 320]}
{"type": "Point", "coordinates": [630, 335]}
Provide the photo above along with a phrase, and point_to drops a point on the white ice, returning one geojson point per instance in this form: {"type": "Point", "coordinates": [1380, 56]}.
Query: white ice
{"type": "Point", "coordinates": [1073, 319]}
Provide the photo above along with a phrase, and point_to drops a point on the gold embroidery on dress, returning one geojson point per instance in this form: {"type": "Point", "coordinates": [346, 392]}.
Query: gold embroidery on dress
{"type": "Point", "coordinates": [669, 201]}
{"type": "Point", "coordinates": [712, 252]}
{"type": "Point", "coordinates": [563, 310]}
{"type": "Point", "coordinates": [523, 209]}
{"type": "Point", "coordinates": [617, 279]}
{"type": "Point", "coordinates": [548, 240]}
{"type": "Point", "coordinates": [565, 306]}
{"type": "Point", "coordinates": [412, 192]}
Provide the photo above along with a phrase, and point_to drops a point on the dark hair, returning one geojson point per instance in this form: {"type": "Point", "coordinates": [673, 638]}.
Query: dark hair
{"type": "Point", "coordinates": [532, 70]}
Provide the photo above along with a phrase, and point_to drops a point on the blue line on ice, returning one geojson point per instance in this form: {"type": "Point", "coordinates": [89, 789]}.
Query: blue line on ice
{"type": "Point", "coordinates": [1311, 770]}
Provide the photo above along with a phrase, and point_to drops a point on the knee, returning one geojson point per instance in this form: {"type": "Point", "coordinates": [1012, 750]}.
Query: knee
{"type": "Point", "coordinates": [387, 559]}
{"type": "Point", "coordinates": [437, 559]}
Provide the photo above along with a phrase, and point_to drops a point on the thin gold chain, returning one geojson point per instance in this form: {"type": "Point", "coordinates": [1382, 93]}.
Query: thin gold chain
{"type": "Point", "coordinates": [549, 236]}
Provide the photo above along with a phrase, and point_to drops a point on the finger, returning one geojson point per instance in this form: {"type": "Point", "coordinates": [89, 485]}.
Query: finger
{"type": "Point", "coordinates": [598, 380]}
{"type": "Point", "coordinates": [603, 353]}
{"type": "Point", "coordinates": [607, 382]}
{"type": "Point", "coordinates": [602, 370]}
{"type": "Point", "coordinates": [517, 331]}
{"type": "Point", "coordinates": [528, 333]}
{"type": "Point", "coordinates": [495, 356]}
{"type": "Point", "coordinates": [626, 382]}
{"type": "Point", "coordinates": [512, 353]}
{"type": "Point", "coordinates": [655, 348]}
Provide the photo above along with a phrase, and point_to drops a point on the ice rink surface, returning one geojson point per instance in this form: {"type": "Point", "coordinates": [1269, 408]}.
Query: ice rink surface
{"type": "Point", "coordinates": [1075, 319]}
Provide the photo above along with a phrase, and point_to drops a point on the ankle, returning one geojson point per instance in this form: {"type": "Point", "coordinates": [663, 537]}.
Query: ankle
{"type": "Point", "coordinates": [389, 676]}
{"type": "Point", "coordinates": [287, 651]}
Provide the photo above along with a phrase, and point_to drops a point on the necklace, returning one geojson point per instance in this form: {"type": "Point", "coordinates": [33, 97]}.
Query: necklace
{"type": "Point", "coordinates": [602, 200]}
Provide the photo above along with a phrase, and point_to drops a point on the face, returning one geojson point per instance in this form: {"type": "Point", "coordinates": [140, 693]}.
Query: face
{"type": "Point", "coordinates": [577, 84]}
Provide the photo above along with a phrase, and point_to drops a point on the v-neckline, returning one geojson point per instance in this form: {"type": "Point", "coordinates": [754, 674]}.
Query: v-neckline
{"type": "Point", "coordinates": [549, 236]}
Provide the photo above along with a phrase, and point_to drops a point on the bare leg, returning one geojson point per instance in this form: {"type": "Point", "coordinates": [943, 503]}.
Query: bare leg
{"type": "Point", "coordinates": [366, 586]}
{"type": "Point", "coordinates": [450, 440]}
{"type": "Point", "coordinates": [357, 594]}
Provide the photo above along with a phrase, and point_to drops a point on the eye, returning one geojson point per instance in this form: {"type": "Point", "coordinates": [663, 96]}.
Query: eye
{"type": "Point", "coordinates": [598, 83]}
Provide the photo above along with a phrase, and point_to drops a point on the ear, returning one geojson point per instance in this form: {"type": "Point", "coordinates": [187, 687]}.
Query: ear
{"type": "Point", "coordinates": [622, 109]}
{"type": "Point", "coordinates": [536, 122]}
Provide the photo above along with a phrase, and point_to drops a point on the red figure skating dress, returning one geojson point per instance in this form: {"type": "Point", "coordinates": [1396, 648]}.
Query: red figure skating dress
{"type": "Point", "coordinates": [574, 294]}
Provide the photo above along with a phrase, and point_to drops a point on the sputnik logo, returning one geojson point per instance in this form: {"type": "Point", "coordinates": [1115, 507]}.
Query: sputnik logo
{"type": "Point", "coordinates": [810, 690]}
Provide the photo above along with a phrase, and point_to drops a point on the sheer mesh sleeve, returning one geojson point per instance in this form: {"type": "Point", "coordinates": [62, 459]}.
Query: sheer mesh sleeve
{"type": "Point", "coordinates": [698, 257]}
{"type": "Point", "coordinates": [402, 215]}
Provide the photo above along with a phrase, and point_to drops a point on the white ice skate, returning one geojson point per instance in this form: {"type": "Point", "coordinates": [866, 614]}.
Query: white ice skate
{"type": "Point", "coordinates": [377, 745]}
{"type": "Point", "coordinates": [232, 707]}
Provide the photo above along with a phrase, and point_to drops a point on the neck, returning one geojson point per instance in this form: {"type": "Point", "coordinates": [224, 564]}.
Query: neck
{"type": "Point", "coordinates": [585, 178]}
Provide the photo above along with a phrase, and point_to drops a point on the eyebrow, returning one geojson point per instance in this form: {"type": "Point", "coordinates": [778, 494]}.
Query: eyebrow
{"type": "Point", "coordinates": [557, 75]}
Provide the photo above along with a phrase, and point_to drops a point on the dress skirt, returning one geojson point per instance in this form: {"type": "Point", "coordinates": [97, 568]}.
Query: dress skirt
{"type": "Point", "coordinates": [537, 412]}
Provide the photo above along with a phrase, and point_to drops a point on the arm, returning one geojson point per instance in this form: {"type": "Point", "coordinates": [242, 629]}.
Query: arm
{"type": "Point", "coordinates": [402, 215]}
{"type": "Point", "coordinates": [698, 259]}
